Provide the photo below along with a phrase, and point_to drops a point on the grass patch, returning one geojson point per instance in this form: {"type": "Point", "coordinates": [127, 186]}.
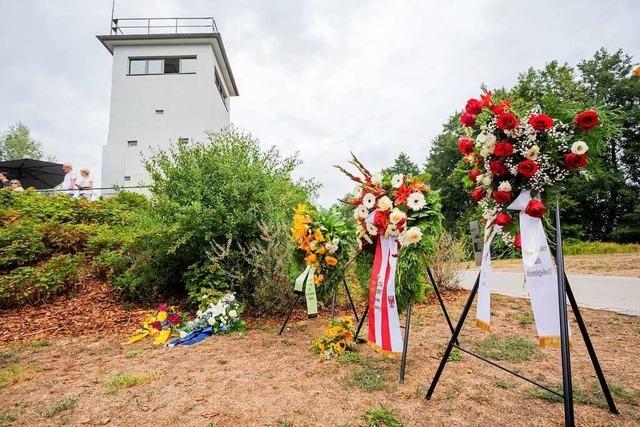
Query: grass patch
{"type": "Point", "coordinates": [16, 373]}
{"type": "Point", "coordinates": [349, 358]}
{"type": "Point", "coordinates": [454, 356]}
{"type": "Point", "coordinates": [585, 248]}
{"type": "Point", "coordinates": [61, 406]}
{"type": "Point", "coordinates": [525, 319]}
{"type": "Point", "coordinates": [504, 384]}
{"type": "Point", "coordinates": [7, 418]}
{"type": "Point", "coordinates": [480, 398]}
{"type": "Point", "coordinates": [6, 357]}
{"type": "Point", "coordinates": [31, 345]}
{"type": "Point", "coordinates": [134, 353]}
{"type": "Point", "coordinates": [381, 417]}
{"type": "Point", "coordinates": [581, 396]}
{"type": "Point", "coordinates": [368, 378]}
{"type": "Point", "coordinates": [121, 381]}
{"type": "Point", "coordinates": [511, 348]}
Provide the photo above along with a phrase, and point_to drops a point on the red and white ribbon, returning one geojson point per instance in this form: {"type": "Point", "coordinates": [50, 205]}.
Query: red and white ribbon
{"type": "Point", "coordinates": [384, 323]}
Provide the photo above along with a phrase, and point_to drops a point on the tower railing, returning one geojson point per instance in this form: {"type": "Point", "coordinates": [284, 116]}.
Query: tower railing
{"type": "Point", "coordinates": [150, 26]}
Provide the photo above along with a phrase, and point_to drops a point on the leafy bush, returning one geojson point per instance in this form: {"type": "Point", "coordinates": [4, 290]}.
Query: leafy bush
{"type": "Point", "coordinates": [576, 247]}
{"type": "Point", "coordinates": [67, 238]}
{"type": "Point", "coordinates": [36, 284]}
{"type": "Point", "coordinates": [217, 196]}
{"type": "Point", "coordinates": [446, 264]}
{"type": "Point", "coordinates": [20, 244]}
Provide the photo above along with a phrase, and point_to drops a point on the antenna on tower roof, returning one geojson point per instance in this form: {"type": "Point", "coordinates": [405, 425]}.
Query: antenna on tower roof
{"type": "Point", "coordinates": [113, 7]}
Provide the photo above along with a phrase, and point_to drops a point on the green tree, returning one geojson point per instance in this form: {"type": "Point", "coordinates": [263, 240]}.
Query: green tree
{"type": "Point", "coordinates": [17, 143]}
{"type": "Point", "coordinates": [403, 164]}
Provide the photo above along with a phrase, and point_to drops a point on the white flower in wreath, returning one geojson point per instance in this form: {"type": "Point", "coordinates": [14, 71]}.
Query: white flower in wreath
{"type": "Point", "coordinates": [183, 334]}
{"type": "Point", "coordinates": [487, 179]}
{"type": "Point", "coordinates": [410, 236]}
{"type": "Point", "coordinates": [372, 229]}
{"type": "Point", "coordinates": [488, 140]}
{"type": "Point", "coordinates": [391, 230]}
{"type": "Point", "coordinates": [376, 179]}
{"type": "Point", "coordinates": [356, 191]}
{"type": "Point", "coordinates": [532, 153]}
{"type": "Point", "coordinates": [397, 180]}
{"type": "Point", "coordinates": [416, 201]}
{"type": "Point", "coordinates": [331, 247]}
{"type": "Point", "coordinates": [504, 186]}
{"type": "Point", "coordinates": [485, 152]}
{"type": "Point", "coordinates": [211, 321]}
{"type": "Point", "coordinates": [313, 245]}
{"type": "Point", "coordinates": [579, 147]}
{"type": "Point", "coordinates": [233, 314]}
{"type": "Point", "coordinates": [369, 201]}
{"type": "Point", "coordinates": [385, 203]}
{"type": "Point", "coordinates": [360, 212]}
{"type": "Point", "coordinates": [199, 313]}
{"type": "Point", "coordinates": [396, 216]}
{"type": "Point", "coordinates": [479, 178]}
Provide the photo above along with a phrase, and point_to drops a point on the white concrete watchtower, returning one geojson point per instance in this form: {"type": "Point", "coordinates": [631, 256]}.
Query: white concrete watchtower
{"type": "Point", "coordinates": [171, 80]}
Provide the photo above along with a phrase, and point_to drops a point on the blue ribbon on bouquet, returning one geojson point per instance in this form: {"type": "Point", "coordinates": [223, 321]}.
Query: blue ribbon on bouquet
{"type": "Point", "coordinates": [193, 337]}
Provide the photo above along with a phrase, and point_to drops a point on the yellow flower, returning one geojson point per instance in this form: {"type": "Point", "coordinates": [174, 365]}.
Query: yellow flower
{"type": "Point", "coordinates": [318, 235]}
{"type": "Point", "coordinates": [321, 250]}
{"type": "Point", "coordinates": [162, 316]}
{"type": "Point", "coordinates": [331, 261]}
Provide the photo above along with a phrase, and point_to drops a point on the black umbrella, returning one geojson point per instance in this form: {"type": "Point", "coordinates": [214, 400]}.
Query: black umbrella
{"type": "Point", "coordinates": [33, 173]}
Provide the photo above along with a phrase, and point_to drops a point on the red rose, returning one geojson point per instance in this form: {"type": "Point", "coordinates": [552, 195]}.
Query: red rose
{"type": "Point", "coordinates": [465, 146]}
{"type": "Point", "coordinates": [478, 193]}
{"type": "Point", "coordinates": [156, 325]}
{"type": "Point", "coordinates": [507, 121]}
{"type": "Point", "coordinates": [502, 197]}
{"type": "Point", "coordinates": [381, 220]}
{"type": "Point", "coordinates": [528, 168]}
{"type": "Point", "coordinates": [503, 149]}
{"type": "Point", "coordinates": [473, 107]}
{"type": "Point", "coordinates": [540, 122]}
{"type": "Point", "coordinates": [587, 120]}
{"type": "Point", "coordinates": [468, 120]}
{"type": "Point", "coordinates": [498, 168]}
{"type": "Point", "coordinates": [535, 208]}
{"type": "Point", "coordinates": [473, 174]}
{"type": "Point", "coordinates": [517, 242]}
{"type": "Point", "coordinates": [503, 219]}
{"type": "Point", "coordinates": [574, 161]}
{"type": "Point", "coordinates": [174, 319]}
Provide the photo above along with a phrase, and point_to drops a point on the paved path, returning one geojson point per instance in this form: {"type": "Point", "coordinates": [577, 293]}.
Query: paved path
{"type": "Point", "coordinates": [613, 293]}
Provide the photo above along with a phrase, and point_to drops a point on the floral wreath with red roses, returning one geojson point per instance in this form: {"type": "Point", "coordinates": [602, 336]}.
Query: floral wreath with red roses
{"type": "Point", "coordinates": [505, 153]}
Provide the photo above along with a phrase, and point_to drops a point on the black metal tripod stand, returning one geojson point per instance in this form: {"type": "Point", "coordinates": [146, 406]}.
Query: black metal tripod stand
{"type": "Point", "coordinates": [333, 305]}
{"type": "Point", "coordinates": [564, 292]}
{"type": "Point", "coordinates": [407, 325]}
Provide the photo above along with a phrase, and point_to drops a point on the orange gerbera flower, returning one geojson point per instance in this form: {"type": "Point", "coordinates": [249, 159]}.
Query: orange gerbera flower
{"type": "Point", "coordinates": [311, 259]}
{"type": "Point", "coordinates": [331, 261]}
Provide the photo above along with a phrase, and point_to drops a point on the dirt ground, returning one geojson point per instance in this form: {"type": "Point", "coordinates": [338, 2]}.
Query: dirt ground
{"type": "Point", "coordinates": [627, 265]}
{"type": "Point", "coordinates": [259, 378]}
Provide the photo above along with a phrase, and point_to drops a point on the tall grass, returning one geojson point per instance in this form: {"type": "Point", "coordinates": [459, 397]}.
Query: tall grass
{"type": "Point", "coordinates": [576, 247]}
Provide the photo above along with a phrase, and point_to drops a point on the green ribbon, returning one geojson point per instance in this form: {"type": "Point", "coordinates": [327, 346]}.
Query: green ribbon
{"type": "Point", "coordinates": [305, 281]}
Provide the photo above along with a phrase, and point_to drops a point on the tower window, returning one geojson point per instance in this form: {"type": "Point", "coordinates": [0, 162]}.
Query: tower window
{"type": "Point", "coordinates": [127, 178]}
{"type": "Point", "coordinates": [170, 65]}
{"type": "Point", "coordinates": [220, 87]}
{"type": "Point", "coordinates": [159, 111]}
{"type": "Point", "coordinates": [132, 144]}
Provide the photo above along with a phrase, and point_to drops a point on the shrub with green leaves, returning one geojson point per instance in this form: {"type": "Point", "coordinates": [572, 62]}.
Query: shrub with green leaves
{"type": "Point", "coordinates": [217, 195]}
{"type": "Point", "coordinates": [20, 244]}
{"type": "Point", "coordinates": [36, 284]}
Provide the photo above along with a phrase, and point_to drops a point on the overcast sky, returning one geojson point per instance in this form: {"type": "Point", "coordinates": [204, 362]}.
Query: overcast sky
{"type": "Point", "coordinates": [318, 77]}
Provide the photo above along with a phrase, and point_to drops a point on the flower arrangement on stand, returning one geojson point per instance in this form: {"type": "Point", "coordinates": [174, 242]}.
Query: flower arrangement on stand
{"type": "Point", "coordinates": [161, 325]}
{"type": "Point", "coordinates": [403, 207]}
{"type": "Point", "coordinates": [399, 218]}
{"type": "Point", "coordinates": [222, 317]}
{"type": "Point", "coordinates": [513, 162]}
{"type": "Point", "coordinates": [505, 153]}
{"type": "Point", "coordinates": [323, 239]}
{"type": "Point", "coordinates": [337, 339]}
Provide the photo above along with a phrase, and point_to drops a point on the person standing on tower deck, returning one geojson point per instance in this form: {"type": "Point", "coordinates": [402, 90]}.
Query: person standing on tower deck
{"type": "Point", "coordinates": [4, 180]}
{"type": "Point", "coordinates": [70, 177]}
{"type": "Point", "coordinates": [85, 184]}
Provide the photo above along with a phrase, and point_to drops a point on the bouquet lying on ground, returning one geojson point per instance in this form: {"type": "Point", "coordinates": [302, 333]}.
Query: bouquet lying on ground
{"type": "Point", "coordinates": [222, 317]}
{"type": "Point", "coordinates": [336, 339]}
{"type": "Point", "coordinates": [323, 238]}
{"type": "Point", "coordinates": [161, 325]}
{"type": "Point", "coordinates": [387, 204]}
{"type": "Point", "coordinates": [505, 153]}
